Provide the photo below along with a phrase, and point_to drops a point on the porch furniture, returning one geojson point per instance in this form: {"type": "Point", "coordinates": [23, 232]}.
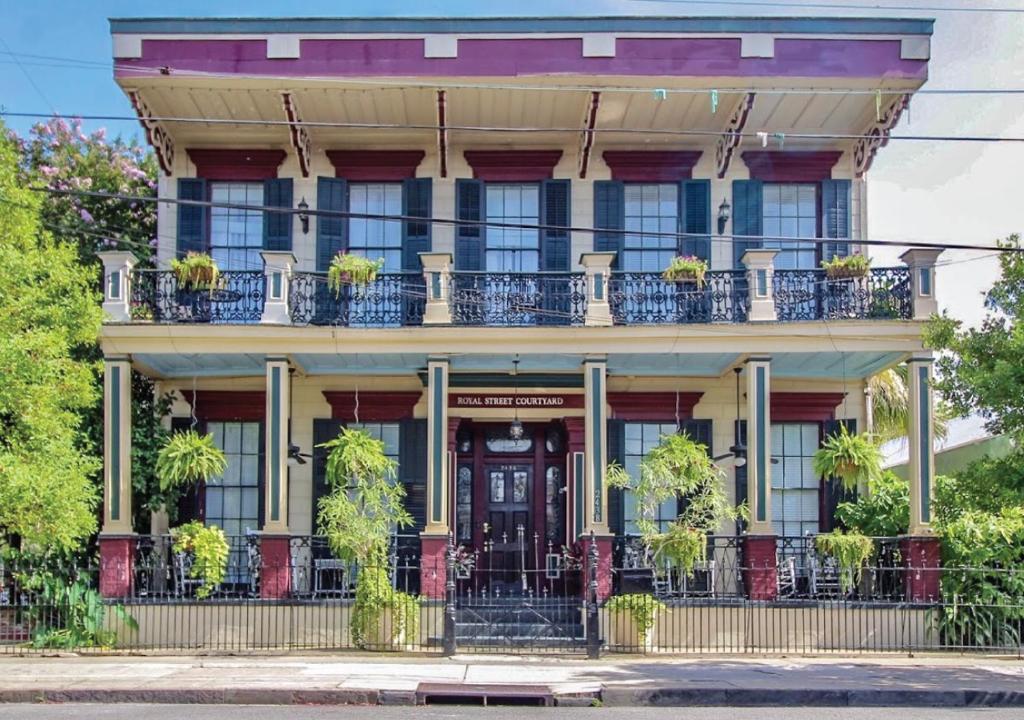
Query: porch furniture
{"type": "Point", "coordinates": [823, 577]}
{"type": "Point", "coordinates": [184, 586]}
{"type": "Point", "coordinates": [330, 577]}
{"type": "Point", "coordinates": [786, 577]}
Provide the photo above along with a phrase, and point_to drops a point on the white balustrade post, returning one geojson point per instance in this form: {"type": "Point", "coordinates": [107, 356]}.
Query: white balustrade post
{"type": "Point", "coordinates": [117, 295]}
{"type": "Point", "coordinates": [921, 262]}
{"type": "Point", "coordinates": [760, 265]}
{"type": "Point", "coordinates": [437, 273]}
{"type": "Point", "coordinates": [277, 266]}
{"type": "Point", "coordinates": [598, 269]}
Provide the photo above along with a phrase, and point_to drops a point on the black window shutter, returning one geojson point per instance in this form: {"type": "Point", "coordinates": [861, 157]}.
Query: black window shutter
{"type": "Point", "coordinates": [412, 470]}
{"type": "Point", "coordinates": [323, 430]}
{"type": "Point", "coordinates": [609, 216]}
{"type": "Point", "coordinates": [189, 506]}
{"type": "Point", "coordinates": [832, 488]}
{"type": "Point", "coordinates": [740, 433]}
{"type": "Point", "coordinates": [695, 216]}
{"type": "Point", "coordinates": [747, 216]}
{"type": "Point", "coordinates": [331, 230]}
{"type": "Point", "coordinates": [616, 454]}
{"type": "Point", "coordinates": [277, 226]}
{"type": "Point", "coordinates": [192, 223]}
{"type": "Point", "coordinates": [555, 204]}
{"type": "Point", "coordinates": [416, 202]}
{"type": "Point", "coordinates": [835, 216]}
{"type": "Point", "coordinates": [469, 239]}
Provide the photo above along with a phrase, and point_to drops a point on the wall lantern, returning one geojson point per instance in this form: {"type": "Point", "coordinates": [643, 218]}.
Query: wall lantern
{"type": "Point", "coordinates": [724, 210]}
{"type": "Point", "coordinates": [515, 430]}
{"type": "Point", "coordinates": [304, 216]}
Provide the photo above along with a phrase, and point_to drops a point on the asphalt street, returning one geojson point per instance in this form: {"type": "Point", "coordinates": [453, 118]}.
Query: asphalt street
{"type": "Point", "coordinates": [268, 712]}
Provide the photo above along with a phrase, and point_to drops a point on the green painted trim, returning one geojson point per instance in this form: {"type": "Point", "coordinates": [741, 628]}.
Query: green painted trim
{"type": "Point", "coordinates": [926, 281]}
{"type": "Point", "coordinates": [763, 450]}
{"type": "Point", "coordinates": [115, 443]}
{"type": "Point", "coordinates": [925, 446]}
{"type": "Point", "coordinates": [762, 283]}
{"type": "Point", "coordinates": [114, 289]}
{"type": "Point", "coordinates": [275, 444]}
{"type": "Point", "coordinates": [578, 472]}
{"type": "Point", "coordinates": [435, 286]}
{"type": "Point", "coordinates": [599, 286]}
{"type": "Point", "coordinates": [438, 442]}
{"type": "Point", "coordinates": [596, 415]}
{"type": "Point", "coordinates": [275, 286]}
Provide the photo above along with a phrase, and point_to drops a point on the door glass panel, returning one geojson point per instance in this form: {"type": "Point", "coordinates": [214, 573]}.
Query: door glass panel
{"type": "Point", "coordinates": [497, 486]}
{"type": "Point", "coordinates": [553, 523]}
{"type": "Point", "coordinates": [519, 486]}
{"type": "Point", "coordinates": [464, 503]}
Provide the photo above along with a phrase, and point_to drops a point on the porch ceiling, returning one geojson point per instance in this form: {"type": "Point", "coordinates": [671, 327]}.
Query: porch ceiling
{"type": "Point", "coordinates": [813, 365]}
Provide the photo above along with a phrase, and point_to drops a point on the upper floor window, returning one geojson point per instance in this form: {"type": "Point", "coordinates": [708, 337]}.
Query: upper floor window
{"type": "Point", "coordinates": [791, 211]}
{"type": "Point", "coordinates": [512, 249]}
{"type": "Point", "coordinates": [236, 236]}
{"type": "Point", "coordinates": [375, 238]}
{"type": "Point", "coordinates": [650, 208]}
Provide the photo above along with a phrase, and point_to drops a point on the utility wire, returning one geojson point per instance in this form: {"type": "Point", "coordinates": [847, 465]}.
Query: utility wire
{"type": "Point", "coordinates": [845, 6]}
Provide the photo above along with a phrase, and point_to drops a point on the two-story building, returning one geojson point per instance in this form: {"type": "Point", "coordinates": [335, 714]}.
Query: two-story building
{"type": "Point", "coordinates": [525, 181]}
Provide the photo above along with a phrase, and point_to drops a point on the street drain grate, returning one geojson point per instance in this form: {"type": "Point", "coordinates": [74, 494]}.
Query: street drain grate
{"type": "Point", "coordinates": [483, 695]}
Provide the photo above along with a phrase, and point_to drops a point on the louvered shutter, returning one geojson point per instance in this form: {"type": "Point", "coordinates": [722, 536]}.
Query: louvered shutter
{"type": "Point", "coordinates": [412, 470]}
{"type": "Point", "coordinates": [609, 217]}
{"type": "Point", "coordinates": [324, 429]}
{"type": "Point", "coordinates": [331, 230]}
{"type": "Point", "coordinates": [700, 432]}
{"type": "Point", "coordinates": [555, 204]}
{"type": "Point", "coordinates": [833, 491]}
{"type": "Point", "coordinates": [277, 226]}
{"type": "Point", "coordinates": [740, 435]}
{"type": "Point", "coordinates": [835, 216]}
{"type": "Point", "coordinates": [616, 454]}
{"type": "Point", "coordinates": [695, 212]}
{"type": "Point", "coordinates": [747, 216]}
{"type": "Point", "coordinates": [416, 202]}
{"type": "Point", "coordinates": [193, 225]}
{"type": "Point", "coordinates": [470, 239]}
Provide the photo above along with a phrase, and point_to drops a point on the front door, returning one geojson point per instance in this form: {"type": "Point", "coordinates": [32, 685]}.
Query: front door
{"type": "Point", "coordinates": [508, 526]}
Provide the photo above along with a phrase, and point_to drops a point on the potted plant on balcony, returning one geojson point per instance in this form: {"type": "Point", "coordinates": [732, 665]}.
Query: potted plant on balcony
{"type": "Point", "coordinates": [358, 517]}
{"type": "Point", "coordinates": [847, 267]}
{"type": "Point", "coordinates": [347, 269]}
{"type": "Point", "coordinates": [685, 268]}
{"type": "Point", "coordinates": [854, 458]}
{"type": "Point", "coordinates": [140, 313]}
{"type": "Point", "coordinates": [632, 621]}
{"type": "Point", "coordinates": [203, 553]}
{"type": "Point", "coordinates": [196, 271]}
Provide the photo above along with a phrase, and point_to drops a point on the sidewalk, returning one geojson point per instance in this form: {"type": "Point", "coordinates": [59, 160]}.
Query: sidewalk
{"type": "Point", "coordinates": [376, 679]}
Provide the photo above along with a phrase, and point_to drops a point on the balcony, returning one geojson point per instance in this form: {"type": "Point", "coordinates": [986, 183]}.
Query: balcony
{"type": "Point", "coordinates": [597, 296]}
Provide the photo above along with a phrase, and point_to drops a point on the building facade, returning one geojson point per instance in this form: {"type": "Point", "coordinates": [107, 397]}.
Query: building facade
{"type": "Point", "coordinates": [525, 182]}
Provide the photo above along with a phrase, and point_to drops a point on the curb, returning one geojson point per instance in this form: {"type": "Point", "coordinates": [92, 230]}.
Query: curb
{"type": "Point", "coordinates": [766, 697]}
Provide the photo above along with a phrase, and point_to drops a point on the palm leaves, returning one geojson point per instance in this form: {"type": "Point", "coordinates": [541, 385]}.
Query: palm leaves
{"type": "Point", "coordinates": [890, 406]}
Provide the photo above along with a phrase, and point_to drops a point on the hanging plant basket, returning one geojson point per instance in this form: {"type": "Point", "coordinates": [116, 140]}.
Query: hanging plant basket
{"type": "Point", "coordinates": [854, 459]}
{"type": "Point", "coordinates": [349, 269]}
{"type": "Point", "coordinates": [189, 458]}
{"type": "Point", "coordinates": [196, 271]}
{"type": "Point", "coordinates": [686, 268]}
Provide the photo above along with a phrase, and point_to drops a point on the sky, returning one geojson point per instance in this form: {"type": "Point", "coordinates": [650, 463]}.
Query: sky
{"type": "Point", "coordinates": [917, 191]}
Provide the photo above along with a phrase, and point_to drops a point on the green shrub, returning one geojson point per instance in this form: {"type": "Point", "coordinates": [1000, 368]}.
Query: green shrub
{"type": "Point", "coordinates": [209, 549]}
{"type": "Point", "coordinates": [70, 614]}
{"type": "Point", "coordinates": [642, 608]}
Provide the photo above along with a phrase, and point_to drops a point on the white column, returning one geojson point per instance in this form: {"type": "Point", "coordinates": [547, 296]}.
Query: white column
{"type": "Point", "coordinates": [278, 411]}
{"type": "Point", "coordinates": [759, 445]}
{"type": "Point", "coordinates": [117, 446]}
{"type": "Point", "coordinates": [595, 510]}
{"type": "Point", "coordinates": [277, 266]}
{"type": "Point", "coordinates": [921, 262]}
{"type": "Point", "coordinates": [760, 266]}
{"type": "Point", "coordinates": [117, 270]}
{"type": "Point", "coordinates": [437, 446]}
{"type": "Point", "coordinates": [921, 437]}
{"type": "Point", "coordinates": [437, 273]}
{"type": "Point", "coordinates": [598, 269]}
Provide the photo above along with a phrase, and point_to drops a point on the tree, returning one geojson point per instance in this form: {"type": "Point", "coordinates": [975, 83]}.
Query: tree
{"type": "Point", "coordinates": [890, 406]}
{"type": "Point", "coordinates": [49, 313]}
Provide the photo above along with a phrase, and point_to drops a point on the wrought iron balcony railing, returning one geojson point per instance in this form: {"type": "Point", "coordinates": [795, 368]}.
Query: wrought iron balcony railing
{"type": "Point", "coordinates": [518, 299]}
{"type": "Point", "coordinates": [882, 294]}
{"type": "Point", "coordinates": [392, 300]}
{"type": "Point", "coordinates": [645, 298]}
{"type": "Point", "coordinates": [237, 298]}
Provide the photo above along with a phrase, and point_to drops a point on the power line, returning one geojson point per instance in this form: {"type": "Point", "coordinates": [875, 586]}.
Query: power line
{"type": "Point", "coordinates": [31, 81]}
{"type": "Point", "coordinates": [844, 6]}
{"type": "Point", "coordinates": [434, 220]}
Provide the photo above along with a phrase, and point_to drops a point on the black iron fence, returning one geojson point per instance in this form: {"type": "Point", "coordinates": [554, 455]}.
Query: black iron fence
{"type": "Point", "coordinates": [882, 294]}
{"type": "Point", "coordinates": [236, 297]}
{"type": "Point", "coordinates": [515, 299]}
{"type": "Point", "coordinates": [646, 298]}
{"type": "Point", "coordinates": [391, 300]}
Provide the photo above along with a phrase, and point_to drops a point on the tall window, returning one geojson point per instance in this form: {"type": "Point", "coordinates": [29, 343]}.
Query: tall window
{"type": "Point", "coordinates": [641, 438]}
{"type": "Point", "coordinates": [236, 236]}
{"type": "Point", "coordinates": [795, 487]}
{"type": "Point", "coordinates": [650, 208]}
{"type": "Point", "coordinates": [791, 211]}
{"type": "Point", "coordinates": [387, 433]}
{"type": "Point", "coordinates": [513, 249]}
{"type": "Point", "coordinates": [233, 500]}
{"type": "Point", "coordinates": [374, 238]}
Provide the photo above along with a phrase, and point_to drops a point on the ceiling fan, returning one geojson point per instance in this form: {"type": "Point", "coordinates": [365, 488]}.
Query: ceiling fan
{"type": "Point", "coordinates": [738, 451]}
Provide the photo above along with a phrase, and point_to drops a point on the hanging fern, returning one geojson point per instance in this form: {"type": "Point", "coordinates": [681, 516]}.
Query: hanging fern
{"type": "Point", "coordinates": [854, 459]}
{"type": "Point", "coordinates": [189, 458]}
{"type": "Point", "coordinates": [850, 551]}
{"type": "Point", "coordinates": [196, 271]}
{"type": "Point", "coordinates": [348, 269]}
{"type": "Point", "coordinates": [209, 549]}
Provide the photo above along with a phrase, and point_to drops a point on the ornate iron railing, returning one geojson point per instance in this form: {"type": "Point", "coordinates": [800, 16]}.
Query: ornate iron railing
{"type": "Point", "coordinates": [237, 298]}
{"type": "Point", "coordinates": [518, 299]}
{"type": "Point", "coordinates": [882, 294]}
{"type": "Point", "coordinates": [644, 298]}
{"type": "Point", "coordinates": [392, 300]}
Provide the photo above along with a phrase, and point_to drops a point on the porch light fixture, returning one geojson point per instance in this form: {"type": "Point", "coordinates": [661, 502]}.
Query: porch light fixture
{"type": "Point", "coordinates": [304, 216]}
{"type": "Point", "coordinates": [724, 212]}
{"type": "Point", "coordinates": [515, 430]}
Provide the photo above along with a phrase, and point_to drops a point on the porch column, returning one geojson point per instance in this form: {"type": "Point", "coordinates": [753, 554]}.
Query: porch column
{"type": "Point", "coordinates": [576, 477]}
{"type": "Point", "coordinates": [437, 274]}
{"type": "Point", "coordinates": [920, 548]}
{"type": "Point", "coordinates": [434, 539]}
{"type": "Point", "coordinates": [760, 266]}
{"type": "Point", "coordinates": [760, 569]}
{"type": "Point", "coordinates": [277, 267]}
{"type": "Point", "coordinates": [275, 540]}
{"type": "Point", "coordinates": [117, 296]}
{"type": "Point", "coordinates": [595, 496]}
{"type": "Point", "coordinates": [117, 540]}
{"type": "Point", "coordinates": [598, 269]}
{"type": "Point", "coordinates": [921, 262]}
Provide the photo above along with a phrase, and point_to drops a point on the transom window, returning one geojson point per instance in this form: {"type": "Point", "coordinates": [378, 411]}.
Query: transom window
{"type": "Point", "coordinates": [236, 236]}
{"type": "Point", "coordinates": [791, 211]}
{"type": "Point", "coordinates": [795, 487]}
{"type": "Point", "coordinates": [641, 438]}
{"type": "Point", "coordinates": [650, 208]}
{"type": "Point", "coordinates": [513, 249]}
{"type": "Point", "coordinates": [375, 238]}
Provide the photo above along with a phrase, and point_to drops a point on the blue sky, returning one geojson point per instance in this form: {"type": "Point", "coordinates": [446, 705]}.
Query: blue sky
{"type": "Point", "coordinates": [917, 191]}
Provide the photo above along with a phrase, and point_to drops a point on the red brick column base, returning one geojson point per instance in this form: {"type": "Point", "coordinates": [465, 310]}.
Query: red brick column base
{"type": "Point", "coordinates": [922, 558]}
{"type": "Point", "coordinates": [117, 558]}
{"type": "Point", "coordinates": [433, 566]}
{"type": "Point", "coordinates": [760, 567]}
{"type": "Point", "coordinates": [275, 567]}
{"type": "Point", "coordinates": [604, 566]}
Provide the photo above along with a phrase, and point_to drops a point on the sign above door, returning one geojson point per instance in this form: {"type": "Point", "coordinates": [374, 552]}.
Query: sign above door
{"type": "Point", "coordinates": [511, 400]}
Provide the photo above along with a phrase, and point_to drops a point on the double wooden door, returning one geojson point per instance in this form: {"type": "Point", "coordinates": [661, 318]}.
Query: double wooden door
{"type": "Point", "coordinates": [508, 532]}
